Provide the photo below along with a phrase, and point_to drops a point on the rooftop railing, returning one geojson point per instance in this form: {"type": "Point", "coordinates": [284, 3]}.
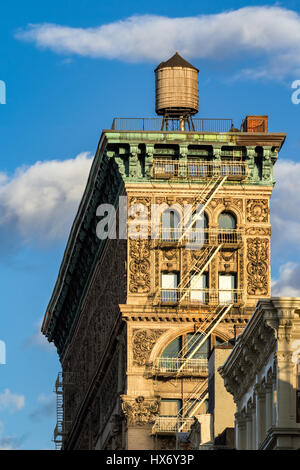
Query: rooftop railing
{"type": "Point", "coordinates": [172, 124]}
{"type": "Point", "coordinates": [198, 169]}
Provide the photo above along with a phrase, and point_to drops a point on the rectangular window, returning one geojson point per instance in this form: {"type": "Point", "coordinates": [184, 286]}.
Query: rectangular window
{"type": "Point", "coordinates": [198, 285]}
{"type": "Point", "coordinates": [227, 285]}
{"type": "Point", "coordinates": [170, 407]}
{"type": "Point", "coordinates": [169, 283]}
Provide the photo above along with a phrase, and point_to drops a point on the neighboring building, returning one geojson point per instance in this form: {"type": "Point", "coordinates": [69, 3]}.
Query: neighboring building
{"type": "Point", "coordinates": [135, 319]}
{"type": "Point", "coordinates": [215, 429]}
{"type": "Point", "coordinates": [262, 374]}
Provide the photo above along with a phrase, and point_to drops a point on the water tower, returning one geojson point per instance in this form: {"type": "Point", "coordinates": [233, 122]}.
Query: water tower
{"type": "Point", "coordinates": [176, 92]}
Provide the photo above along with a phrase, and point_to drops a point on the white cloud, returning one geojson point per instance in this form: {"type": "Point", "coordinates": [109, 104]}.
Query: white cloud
{"type": "Point", "coordinates": [269, 33]}
{"type": "Point", "coordinates": [11, 401]}
{"type": "Point", "coordinates": [285, 203]}
{"type": "Point", "coordinates": [3, 178]}
{"type": "Point", "coordinates": [285, 220]}
{"type": "Point", "coordinates": [37, 339]}
{"type": "Point", "coordinates": [288, 283]}
{"type": "Point", "coordinates": [9, 442]}
{"type": "Point", "coordinates": [38, 203]}
{"type": "Point", "coordinates": [45, 409]}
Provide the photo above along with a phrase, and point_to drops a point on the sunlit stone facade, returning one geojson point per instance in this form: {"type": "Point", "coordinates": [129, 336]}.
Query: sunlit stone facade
{"type": "Point", "coordinates": [136, 316]}
{"type": "Point", "coordinates": [262, 374]}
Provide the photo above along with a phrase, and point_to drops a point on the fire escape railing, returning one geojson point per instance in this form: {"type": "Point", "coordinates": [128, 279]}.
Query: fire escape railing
{"type": "Point", "coordinates": [198, 169]}
{"type": "Point", "coordinates": [198, 297]}
{"type": "Point", "coordinates": [206, 236]}
{"type": "Point", "coordinates": [185, 417]}
{"type": "Point", "coordinates": [217, 303]}
{"type": "Point", "coordinates": [172, 364]}
{"type": "Point", "coordinates": [62, 425]}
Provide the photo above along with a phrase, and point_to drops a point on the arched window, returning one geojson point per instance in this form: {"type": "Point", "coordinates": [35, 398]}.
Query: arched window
{"type": "Point", "coordinates": [193, 342]}
{"type": "Point", "coordinates": [187, 350]}
{"type": "Point", "coordinates": [227, 221]}
{"type": "Point", "coordinates": [227, 228]}
{"type": "Point", "coordinates": [199, 229]}
{"type": "Point", "coordinates": [173, 349]}
{"type": "Point", "coordinates": [170, 225]}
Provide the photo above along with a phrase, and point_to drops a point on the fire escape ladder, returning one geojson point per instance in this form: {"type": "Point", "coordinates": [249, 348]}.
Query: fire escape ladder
{"type": "Point", "coordinates": [199, 393]}
{"type": "Point", "coordinates": [58, 431]}
{"type": "Point", "coordinates": [63, 379]}
{"type": "Point", "coordinates": [203, 197]}
{"type": "Point", "coordinates": [197, 269]}
{"type": "Point", "coordinates": [191, 405]}
{"type": "Point", "coordinates": [174, 423]}
{"type": "Point", "coordinates": [212, 321]}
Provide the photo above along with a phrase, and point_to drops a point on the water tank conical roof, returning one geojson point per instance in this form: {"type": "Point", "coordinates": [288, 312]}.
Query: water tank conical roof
{"type": "Point", "coordinates": [176, 61]}
{"type": "Point", "coordinates": [176, 88]}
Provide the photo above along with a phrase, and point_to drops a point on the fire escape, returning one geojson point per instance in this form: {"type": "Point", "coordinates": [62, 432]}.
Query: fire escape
{"type": "Point", "coordinates": [214, 304]}
{"type": "Point", "coordinates": [63, 380]}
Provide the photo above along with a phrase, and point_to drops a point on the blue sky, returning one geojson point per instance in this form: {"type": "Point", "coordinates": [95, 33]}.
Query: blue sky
{"type": "Point", "coordinates": [70, 67]}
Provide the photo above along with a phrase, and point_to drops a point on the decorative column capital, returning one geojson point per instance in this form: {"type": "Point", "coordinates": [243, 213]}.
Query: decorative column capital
{"type": "Point", "coordinates": [183, 150]}
{"type": "Point", "coordinates": [150, 150]}
{"type": "Point", "coordinates": [134, 167]}
{"type": "Point", "coordinates": [217, 152]}
{"type": "Point", "coordinates": [267, 151]}
{"type": "Point", "coordinates": [139, 411]}
{"type": "Point", "coordinates": [251, 153]}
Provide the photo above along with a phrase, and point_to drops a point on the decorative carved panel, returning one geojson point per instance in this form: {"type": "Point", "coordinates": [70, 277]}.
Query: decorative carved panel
{"type": "Point", "coordinates": [139, 266]}
{"type": "Point", "coordinates": [227, 202]}
{"type": "Point", "coordinates": [142, 344]}
{"type": "Point", "coordinates": [257, 210]}
{"type": "Point", "coordinates": [228, 261]}
{"type": "Point", "coordinates": [258, 231]}
{"type": "Point", "coordinates": [258, 266]}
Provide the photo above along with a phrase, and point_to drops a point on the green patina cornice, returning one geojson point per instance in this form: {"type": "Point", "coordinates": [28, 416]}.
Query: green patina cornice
{"type": "Point", "coordinates": [135, 163]}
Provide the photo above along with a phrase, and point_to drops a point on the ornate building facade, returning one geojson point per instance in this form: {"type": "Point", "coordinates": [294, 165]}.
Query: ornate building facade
{"type": "Point", "coordinates": [134, 319]}
{"type": "Point", "coordinates": [262, 374]}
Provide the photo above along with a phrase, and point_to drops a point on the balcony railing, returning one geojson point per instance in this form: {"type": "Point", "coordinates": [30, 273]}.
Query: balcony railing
{"type": "Point", "coordinates": [173, 364]}
{"type": "Point", "coordinates": [198, 169]}
{"type": "Point", "coordinates": [200, 297]}
{"type": "Point", "coordinates": [201, 236]}
{"type": "Point", "coordinates": [172, 124]}
{"type": "Point", "coordinates": [166, 424]}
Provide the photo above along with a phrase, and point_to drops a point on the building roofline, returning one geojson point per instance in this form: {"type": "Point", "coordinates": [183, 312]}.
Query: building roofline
{"type": "Point", "coordinates": [73, 235]}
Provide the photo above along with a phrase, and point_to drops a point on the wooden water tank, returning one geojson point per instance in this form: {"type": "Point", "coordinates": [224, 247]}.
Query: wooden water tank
{"type": "Point", "coordinates": [176, 88]}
